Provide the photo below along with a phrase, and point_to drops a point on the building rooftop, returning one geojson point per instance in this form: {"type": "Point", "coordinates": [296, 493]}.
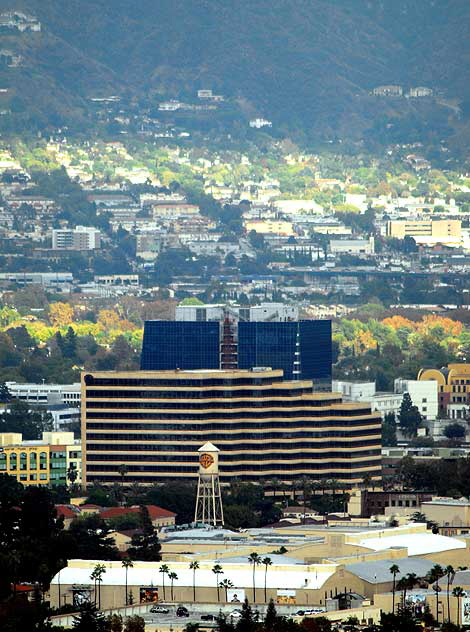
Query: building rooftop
{"type": "Point", "coordinates": [416, 543]}
{"type": "Point", "coordinates": [378, 571]}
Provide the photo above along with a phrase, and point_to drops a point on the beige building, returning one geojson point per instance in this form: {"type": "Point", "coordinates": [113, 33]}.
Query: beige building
{"type": "Point", "coordinates": [320, 565]}
{"type": "Point", "coordinates": [426, 230]}
{"type": "Point", "coordinates": [449, 512]}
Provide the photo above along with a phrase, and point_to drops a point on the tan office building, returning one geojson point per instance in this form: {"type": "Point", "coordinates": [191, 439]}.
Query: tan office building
{"type": "Point", "coordinates": [155, 421]}
{"type": "Point", "coordinates": [436, 229]}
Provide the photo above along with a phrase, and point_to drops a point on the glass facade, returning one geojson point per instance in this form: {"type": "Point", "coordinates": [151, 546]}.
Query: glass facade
{"type": "Point", "coordinates": [301, 349]}
{"type": "Point", "coordinates": [170, 345]}
{"type": "Point", "coordinates": [274, 345]}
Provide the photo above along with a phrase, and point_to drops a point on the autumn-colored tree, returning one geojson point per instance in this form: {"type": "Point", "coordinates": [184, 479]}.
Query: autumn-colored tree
{"type": "Point", "coordinates": [399, 322]}
{"type": "Point", "coordinates": [108, 318]}
{"type": "Point", "coordinates": [60, 314]}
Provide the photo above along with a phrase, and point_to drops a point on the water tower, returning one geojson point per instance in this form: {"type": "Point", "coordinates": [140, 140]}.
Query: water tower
{"type": "Point", "coordinates": [209, 498]}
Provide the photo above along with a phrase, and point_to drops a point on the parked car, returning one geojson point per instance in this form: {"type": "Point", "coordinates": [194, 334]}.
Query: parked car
{"type": "Point", "coordinates": [207, 617]}
{"type": "Point", "coordinates": [181, 611]}
{"type": "Point", "coordinates": [159, 610]}
{"type": "Point", "coordinates": [236, 614]}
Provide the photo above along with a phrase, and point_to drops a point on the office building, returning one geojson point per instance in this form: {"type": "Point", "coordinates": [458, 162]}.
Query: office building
{"type": "Point", "coordinates": [427, 231]}
{"type": "Point", "coordinates": [216, 337]}
{"type": "Point", "coordinates": [155, 421]}
{"type": "Point", "coordinates": [43, 461]}
{"type": "Point", "coordinates": [46, 394]}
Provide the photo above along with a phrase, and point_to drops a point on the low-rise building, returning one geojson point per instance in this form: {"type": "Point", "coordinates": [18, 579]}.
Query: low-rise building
{"type": "Point", "coordinates": [79, 238]}
{"type": "Point", "coordinates": [453, 385]}
{"type": "Point", "coordinates": [352, 246]}
{"type": "Point", "coordinates": [41, 461]}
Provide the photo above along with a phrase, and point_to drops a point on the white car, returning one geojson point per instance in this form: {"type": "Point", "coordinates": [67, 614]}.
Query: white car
{"type": "Point", "coordinates": [236, 614]}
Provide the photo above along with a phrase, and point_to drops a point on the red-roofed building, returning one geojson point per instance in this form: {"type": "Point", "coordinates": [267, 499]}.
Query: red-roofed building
{"type": "Point", "coordinates": [159, 517]}
{"type": "Point", "coordinates": [69, 512]}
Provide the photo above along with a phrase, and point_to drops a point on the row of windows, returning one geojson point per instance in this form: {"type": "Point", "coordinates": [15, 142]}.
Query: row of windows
{"type": "Point", "coordinates": [238, 456]}
{"type": "Point", "coordinates": [208, 416]}
{"type": "Point", "coordinates": [284, 426]}
{"type": "Point", "coordinates": [234, 469]}
{"type": "Point", "coordinates": [181, 440]}
{"type": "Point", "coordinates": [91, 380]}
{"type": "Point", "coordinates": [203, 393]}
{"type": "Point", "coordinates": [208, 404]}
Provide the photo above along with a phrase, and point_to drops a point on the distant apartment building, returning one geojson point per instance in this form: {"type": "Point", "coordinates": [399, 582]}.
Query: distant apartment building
{"type": "Point", "coordinates": [43, 461]}
{"type": "Point", "coordinates": [265, 427]}
{"type": "Point", "coordinates": [44, 394]}
{"type": "Point", "coordinates": [258, 123]}
{"type": "Point", "coordinates": [388, 91]}
{"type": "Point", "coordinates": [270, 227]}
{"type": "Point", "coordinates": [420, 92]}
{"type": "Point", "coordinates": [352, 246]}
{"type": "Point", "coordinates": [453, 384]}
{"type": "Point", "coordinates": [56, 280]}
{"type": "Point", "coordinates": [438, 228]}
{"type": "Point", "coordinates": [423, 395]}
{"type": "Point", "coordinates": [79, 238]}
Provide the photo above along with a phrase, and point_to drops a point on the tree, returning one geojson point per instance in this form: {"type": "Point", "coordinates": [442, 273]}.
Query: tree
{"type": "Point", "coordinates": [434, 575]}
{"type": "Point", "coordinates": [246, 623]}
{"type": "Point", "coordinates": [271, 617]}
{"type": "Point", "coordinates": [409, 416]}
{"type": "Point", "coordinates": [172, 576]}
{"type": "Point", "coordinates": [60, 314]}
{"type": "Point", "coordinates": [458, 592]}
{"type": "Point", "coordinates": [394, 570]}
{"type": "Point", "coordinates": [5, 395]}
{"type": "Point", "coordinates": [389, 430]}
{"type": "Point", "coordinates": [254, 559]}
{"type": "Point", "coordinates": [225, 584]}
{"type": "Point", "coordinates": [402, 585]}
{"type": "Point", "coordinates": [115, 623]}
{"type": "Point", "coordinates": [91, 539]}
{"type": "Point", "coordinates": [134, 624]}
{"type": "Point", "coordinates": [454, 431]}
{"type": "Point", "coordinates": [164, 570]}
{"type": "Point", "coordinates": [123, 470]}
{"type": "Point", "coordinates": [72, 473]}
{"type": "Point", "coordinates": [145, 545]}
{"type": "Point", "coordinates": [90, 620]}
{"type": "Point", "coordinates": [194, 565]}
{"type": "Point", "coordinates": [97, 576]}
{"type": "Point", "coordinates": [217, 570]}
{"type": "Point", "coordinates": [127, 564]}
{"type": "Point", "coordinates": [267, 562]}
{"type": "Point", "coordinates": [450, 574]}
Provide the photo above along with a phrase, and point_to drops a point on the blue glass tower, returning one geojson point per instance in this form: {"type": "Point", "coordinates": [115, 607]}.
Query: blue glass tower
{"type": "Point", "coordinates": [170, 345]}
{"type": "Point", "coordinates": [302, 349]}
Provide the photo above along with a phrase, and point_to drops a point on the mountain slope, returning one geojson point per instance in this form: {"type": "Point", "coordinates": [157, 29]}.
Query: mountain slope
{"type": "Point", "coordinates": [306, 62]}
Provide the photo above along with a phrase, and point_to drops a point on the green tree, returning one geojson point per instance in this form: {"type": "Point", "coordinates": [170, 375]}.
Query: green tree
{"type": "Point", "coordinates": [145, 545]}
{"type": "Point", "coordinates": [455, 431]}
{"type": "Point", "coordinates": [217, 570]}
{"type": "Point", "coordinates": [194, 565]}
{"type": "Point", "coordinates": [225, 584]}
{"type": "Point", "coordinates": [172, 576]}
{"type": "Point", "coordinates": [458, 592]}
{"type": "Point", "coordinates": [409, 416]}
{"type": "Point", "coordinates": [450, 574]}
{"type": "Point", "coordinates": [134, 624]}
{"type": "Point", "coordinates": [127, 563]}
{"type": "Point", "coordinates": [164, 570]}
{"type": "Point", "coordinates": [90, 620]}
{"type": "Point", "coordinates": [394, 570]}
{"type": "Point", "coordinates": [5, 395]}
{"type": "Point", "coordinates": [389, 430]}
{"type": "Point", "coordinates": [255, 560]}
{"type": "Point", "coordinates": [267, 562]}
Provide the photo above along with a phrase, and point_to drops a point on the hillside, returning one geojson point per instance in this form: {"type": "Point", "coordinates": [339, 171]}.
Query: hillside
{"type": "Point", "coordinates": [307, 63]}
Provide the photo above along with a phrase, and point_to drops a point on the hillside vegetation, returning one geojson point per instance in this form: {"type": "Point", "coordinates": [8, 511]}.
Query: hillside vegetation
{"type": "Point", "coordinates": [304, 63]}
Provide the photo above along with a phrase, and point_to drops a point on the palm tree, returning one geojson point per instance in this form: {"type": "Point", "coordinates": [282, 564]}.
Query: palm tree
{"type": "Point", "coordinates": [194, 566]}
{"type": "Point", "coordinates": [123, 470]}
{"type": "Point", "coordinates": [94, 578]}
{"type": "Point", "coordinates": [254, 559]}
{"type": "Point", "coordinates": [226, 584]}
{"type": "Point", "coordinates": [126, 564]}
{"type": "Point", "coordinates": [411, 580]}
{"type": "Point", "coordinates": [434, 575]}
{"type": "Point", "coordinates": [163, 570]}
{"type": "Point", "coordinates": [172, 576]}
{"type": "Point", "coordinates": [394, 570]}
{"type": "Point", "coordinates": [402, 584]}
{"type": "Point", "coordinates": [459, 593]}
{"type": "Point", "coordinates": [450, 573]}
{"type": "Point", "coordinates": [97, 574]}
{"type": "Point", "coordinates": [217, 570]}
{"type": "Point", "coordinates": [267, 561]}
